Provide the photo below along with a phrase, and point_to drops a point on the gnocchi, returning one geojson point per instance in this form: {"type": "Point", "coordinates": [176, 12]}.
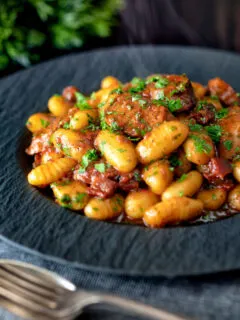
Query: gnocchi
{"type": "Point", "coordinates": [158, 176]}
{"type": "Point", "coordinates": [187, 185]}
{"type": "Point", "coordinates": [161, 141]}
{"type": "Point", "coordinates": [50, 171]}
{"type": "Point", "coordinates": [117, 150]}
{"type": "Point", "coordinates": [212, 199]}
{"type": "Point", "coordinates": [137, 202]}
{"type": "Point", "coordinates": [107, 209]}
{"type": "Point", "coordinates": [156, 151]}
{"type": "Point", "coordinates": [173, 211]}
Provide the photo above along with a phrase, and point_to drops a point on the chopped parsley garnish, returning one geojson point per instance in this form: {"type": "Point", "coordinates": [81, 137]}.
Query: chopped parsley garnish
{"type": "Point", "coordinates": [222, 113]}
{"type": "Point", "coordinates": [103, 123]}
{"type": "Point", "coordinates": [117, 91]}
{"type": "Point", "coordinates": [80, 197]}
{"type": "Point", "coordinates": [238, 94]}
{"type": "Point", "coordinates": [138, 85]}
{"type": "Point", "coordinates": [114, 126]}
{"type": "Point", "coordinates": [121, 150]}
{"type": "Point", "coordinates": [180, 88]}
{"type": "Point", "coordinates": [214, 98]}
{"type": "Point", "coordinates": [100, 167]}
{"type": "Point", "coordinates": [61, 183]}
{"type": "Point", "coordinates": [214, 132]}
{"type": "Point", "coordinates": [182, 178]}
{"type": "Point", "coordinates": [65, 198]}
{"type": "Point", "coordinates": [89, 156]}
{"type": "Point", "coordinates": [228, 144]}
{"type": "Point", "coordinates": [44, 123]}
{"type": "Point", "coordinates": [111, 101]}
{"type": "Point", "coordinates": [195, 127]}
{"type": "Point", "coordinates": [160, 95]}
{"type": "Point", "coordinates": [91, 124]}
{"type": "Point", "coordinates": [214, 197]}
{"type": "Point", "coordinates": [161, 83]}
{"type": "Point", "coordinates": [152, 79]}
{"type": "Point", "coordinates": [201, 145]}
{"type": "Point", "coordinates": [81, 102]}
{"type": "Point", "coordinates": [67, 151]}
{"type": "Point", "coordinates": [201, 104]}
{"type": "Point", "coordinates": [142, 103]}
{"type": "Point", "coordinates": [136, 97]}
{"type": "Point", "coordinates": [134, 139]}
{"type": "Point", "coordinates": [102, 144]}
{"type": "Point", "coordinates": [181, 193]}
{"type": "Point", "coordinates": [66, 125]}
{"type": "Point", "coordinates": [174, 105]}
{"type": "Point", "coordinates": [137, 176]}
{"type": "Point", "coordinates": [93, 96]}
{"type": "Point", "coordinates": [174, 161]}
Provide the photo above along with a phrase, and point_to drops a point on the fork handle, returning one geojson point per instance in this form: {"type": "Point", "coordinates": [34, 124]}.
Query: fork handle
{"type": "Point", "coordinates": [132, 307]}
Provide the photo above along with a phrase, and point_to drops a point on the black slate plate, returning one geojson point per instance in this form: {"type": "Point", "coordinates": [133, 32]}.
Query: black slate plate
{"type": "Point", "coordinates": [29, 218]}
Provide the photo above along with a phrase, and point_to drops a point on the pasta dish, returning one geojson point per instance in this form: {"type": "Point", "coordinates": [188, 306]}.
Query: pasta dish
{"type": "Point", "coordinates": [157, 151]}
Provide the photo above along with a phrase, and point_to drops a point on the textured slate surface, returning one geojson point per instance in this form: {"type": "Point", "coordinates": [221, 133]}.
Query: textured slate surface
{"type": "Point", "coordinates": [36, 222]}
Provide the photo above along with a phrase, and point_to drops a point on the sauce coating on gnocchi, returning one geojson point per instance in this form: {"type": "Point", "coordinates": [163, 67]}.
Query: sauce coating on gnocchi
{"type": "Point", "coordinates": [157, 151]}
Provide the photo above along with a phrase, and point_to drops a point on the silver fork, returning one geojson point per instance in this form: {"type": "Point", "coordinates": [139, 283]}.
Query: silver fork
{"type": "Point", "coordinates": [34, 293]}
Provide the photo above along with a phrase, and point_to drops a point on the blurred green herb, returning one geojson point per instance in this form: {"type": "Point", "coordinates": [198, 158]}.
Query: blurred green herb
{"type": "Point", "coordinates": [29, 28]}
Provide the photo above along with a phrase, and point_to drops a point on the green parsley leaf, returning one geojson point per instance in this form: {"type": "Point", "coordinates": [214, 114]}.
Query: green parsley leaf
{"type": "Point", "coordinates": [138, 85]}
{"type": "Point", "coordinates": [93, 96]}
{"type": "Point", "coordinates": [67, 151]}
{"type": "Point", "coordinates": [201, 145]}
{"type": "Point", "coordinates": [137, 176]}
{"type": "Point", "coordinates": [222, 113]}
{"type": "Point", "coordinates": [66, 125]}
{"type": "Point", "coordinates": [142, 103]}
{"type": "Point", "coordinates": [228, 144]}
{"type": "Point", "coordinates": [195, 127]}
{"type": "Point", "coordinates": [201, 104]}
{"type": "Point", "coordinates": [65, 198]}
{"type": "Point", "coordinates": [44, 123]}
{"type": "Point", "coordinates": [80, 197]}
{"type": "Point", "coordinates": [161, 83]}
{"type": "Point", "coordinates": [117, 91]}
{"type": "Point", "coordinates": [121, 150]}
{"type": "Point", "coordinates": [181, 193]}
{"type": "Point", "coordinates": [214, 197]}
{"type": "Point", "coordinates": [89, 156]}
{"type": "Point", "coordinates": [174, 161]}
{"type": "Point", "coordinates": [134, 139]}
{"type": "Point", "coordinates": [136, 97]}
{"type": "Point", "coordinates": [81, 102]}
{"type": "Point", "coordinates": [214, 132]}
{"type": "Point", "coordinates": [180, 88]}
{"type": "Point", "coordinates": [114, 126]}
{"type": "Point", "coordinates": [174, 105]}
{"type": "Point", "coordinates": [103, 123]}
{"type": "Point", "coordinates": [214, 98]}
{"type": "Point", "coordinates": [183, 177]}
{"type": "Point", "coordinates": [100, 167]}
{"type": "Point", "coordinates": [153, 79]}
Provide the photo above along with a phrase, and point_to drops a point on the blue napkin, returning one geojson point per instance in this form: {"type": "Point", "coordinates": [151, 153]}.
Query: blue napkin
{"type": "Point", "coordinates": [209, 297]}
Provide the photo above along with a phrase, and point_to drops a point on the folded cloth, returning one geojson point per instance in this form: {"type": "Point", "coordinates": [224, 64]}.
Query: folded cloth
{"type": "Point", "coordinates": [204, 297]}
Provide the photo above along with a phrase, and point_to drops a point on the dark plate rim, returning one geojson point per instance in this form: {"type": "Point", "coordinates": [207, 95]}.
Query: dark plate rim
{"type": "Point", "coordinates": [122, 271]}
